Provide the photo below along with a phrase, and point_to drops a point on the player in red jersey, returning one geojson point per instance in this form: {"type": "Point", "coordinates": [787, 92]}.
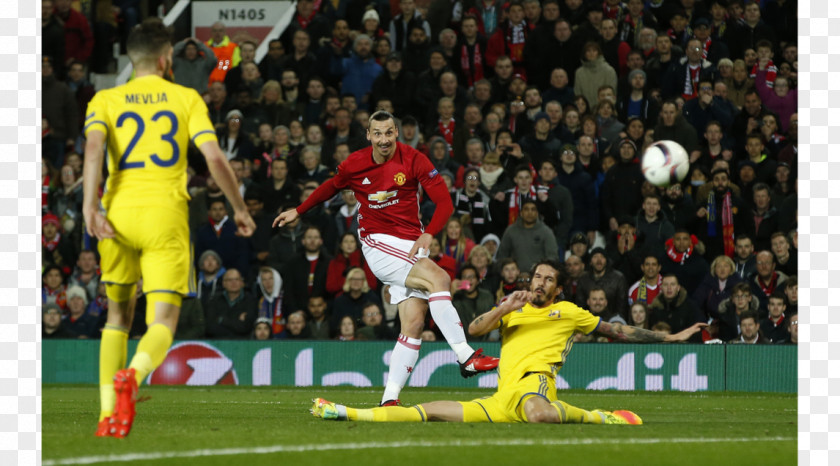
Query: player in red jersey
{"type": "Point", "coordinates": [386, 178]}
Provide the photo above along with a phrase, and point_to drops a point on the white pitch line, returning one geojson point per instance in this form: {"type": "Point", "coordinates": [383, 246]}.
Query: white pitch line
{"type": "Point", "coordinates": [373, 445]}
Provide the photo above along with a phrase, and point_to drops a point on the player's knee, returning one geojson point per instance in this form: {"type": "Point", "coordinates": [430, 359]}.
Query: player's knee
{"type": "Point", "coordinates": [542, 416]}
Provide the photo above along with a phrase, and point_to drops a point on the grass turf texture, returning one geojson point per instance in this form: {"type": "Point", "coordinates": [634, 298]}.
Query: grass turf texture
{"type": "Point", "coordinates": [266, 425]}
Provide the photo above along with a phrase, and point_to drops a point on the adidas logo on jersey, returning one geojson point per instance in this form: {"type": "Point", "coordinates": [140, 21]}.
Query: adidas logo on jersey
{"type": "Point", "coordinates": [366, 181]}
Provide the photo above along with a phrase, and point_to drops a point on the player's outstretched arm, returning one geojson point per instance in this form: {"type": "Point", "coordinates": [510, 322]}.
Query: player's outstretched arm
{"type": "Point", "coordinates": [489, 321]}
{"type": "Point", "coordinates": [629, 334]}
{"type": "Point", "coordinates": [285, 217]}
{"type": "Point", "coordinates": [225, 178]}
{"type": "Point", "coordinates": [95, 223]}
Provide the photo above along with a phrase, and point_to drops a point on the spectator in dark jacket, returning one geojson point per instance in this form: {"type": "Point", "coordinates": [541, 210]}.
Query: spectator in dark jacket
{"type": "Point", "coordinates": [621, 193]}
{"type": "Point", "coordinates": [674, 307]}
{"type": "Point", "coordinates": [582, 189]}
{"type": "Point", "coordinates": [305, 274]}
{"type": "Point", "coordinates": [684, 75]}
{"type": "Point", "coordinates": [219, 234]}
{"type": "Point", "coordinates": [395, 84]}
{"type": "Point", "coordinates": [601, 275]}
{"type": "Point", "coordinates": [707, 107]}
{"type": "Point", "coordinates": [233, 313]}
{"type": "Point", "coordinates": [717, 286]}
{"type": "Point", "coordinates": [210, 272]}
{"type": "Point", "coordinates": [683, 257]}
{"type": "Point", "coordinates": [78, 321]}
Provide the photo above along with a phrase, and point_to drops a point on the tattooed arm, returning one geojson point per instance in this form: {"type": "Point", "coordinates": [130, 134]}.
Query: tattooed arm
{"type": "Point", "coordinates": [629, 334]}
{"type": "Point", "coordinates": [488, 321]}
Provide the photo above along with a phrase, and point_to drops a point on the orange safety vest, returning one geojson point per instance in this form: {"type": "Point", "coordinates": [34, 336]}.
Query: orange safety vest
{"type": "Point", "coordinates": [227, 54]}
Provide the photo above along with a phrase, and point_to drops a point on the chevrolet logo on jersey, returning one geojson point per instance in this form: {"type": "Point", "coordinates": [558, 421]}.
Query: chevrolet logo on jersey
{"type": "Point", "coordinates": [381, 196]}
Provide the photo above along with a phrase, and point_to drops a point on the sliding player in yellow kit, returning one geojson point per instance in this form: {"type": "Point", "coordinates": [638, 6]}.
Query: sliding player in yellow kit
{"type": "Point", "coordinates": [141, 224]}
{"type": "Point", "coordinates": [537, 335]}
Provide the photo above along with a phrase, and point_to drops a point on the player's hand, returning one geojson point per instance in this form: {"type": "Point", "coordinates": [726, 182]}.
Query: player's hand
{"type": "Point", "coordinates": [245, 225]}
{"type": "Point", "coordinates": [97, 225]}
{"type": "Point", "coordinates": [687, 333]}
{"type": "Point", "coordinates": [421, 246]}
{"type": "Point", "coordinates": [516, 300]}
{"type": "Point", "coordinates": [285, 217]}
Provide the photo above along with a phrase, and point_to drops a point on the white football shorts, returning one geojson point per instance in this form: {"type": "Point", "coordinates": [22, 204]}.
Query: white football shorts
{"type": "Point", "coordinates": [387, 257]}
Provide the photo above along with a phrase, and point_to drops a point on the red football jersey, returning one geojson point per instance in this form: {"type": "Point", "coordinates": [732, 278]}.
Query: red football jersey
{"type": "Point", "coordinates": [388, 192]}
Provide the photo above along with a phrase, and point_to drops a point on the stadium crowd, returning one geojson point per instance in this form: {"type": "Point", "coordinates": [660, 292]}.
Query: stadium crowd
{"type": "Point", "coordinates": [534, 112]}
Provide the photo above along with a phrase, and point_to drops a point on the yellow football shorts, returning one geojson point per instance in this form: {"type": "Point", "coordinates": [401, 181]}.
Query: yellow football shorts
{"type": "Point", "coordinates": [508, 405]}
{"type": "Point", "coordinates": [152, 243]}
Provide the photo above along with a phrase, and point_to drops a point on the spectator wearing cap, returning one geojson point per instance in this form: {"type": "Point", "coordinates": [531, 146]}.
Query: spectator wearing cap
{"type": "Point", "coordinates": [474, 202]}
{"type": "Point", "coordinates": [707, 107]}
{"type": "Point", "coordinates": [77, 320]}
{"type": "Point", "coordinates": [509, 39]}
{"type": "Point", "coordinates": [581, 186]}
{"type": "Point", "coordinates": [371, 24]}
{"type": "Point", "coordinates": [589, 28]}
{"type": "Point", "coordinates": [53, 326]}
{"type": "Point", "coordinates": [621, 193]}
{"type": "Point", "coordinates": [56, 248]}
{"type": "Point", "coordinates": [713, 49]}
{"type": "Point", "coordinates": [541, 144]}
{"type": "Point", "coordinates": [631, 24]}
{"type": "Point", "coordinates": [233, 140]}
{"type": "Point", "coordinates": [395, 84]}
{"type": "Point", "coordinates": [192, 63]}
{"type": "Point", "coordinates": [593, 73]}
{"type": "Point", "coordinates": [722, 216]}
{"type": "Point", "coordinates": [636, 103]}
{"type": "Point", "coordinates": [600, 274]}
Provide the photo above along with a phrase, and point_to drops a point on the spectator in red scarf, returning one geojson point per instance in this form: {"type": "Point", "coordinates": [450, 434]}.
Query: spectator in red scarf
{"type": "Point", "coordinates": [509, 38]}
{"type": "Point", "coordinates": [683, 257]}
{"type": "Point", "coordinates": [766, 279]}
{"type": "Point", "coordinates": [56, 248]}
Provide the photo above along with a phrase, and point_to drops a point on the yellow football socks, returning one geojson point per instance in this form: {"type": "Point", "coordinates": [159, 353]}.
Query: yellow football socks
{"type": "Point", "coordinates": [113, 349]}
{"type": "Point", "coordinates": [151, 351]}
{"type": "Point", "coordinates": [388, 414]}
{"type": "Point", "coordinates": [572, 415]}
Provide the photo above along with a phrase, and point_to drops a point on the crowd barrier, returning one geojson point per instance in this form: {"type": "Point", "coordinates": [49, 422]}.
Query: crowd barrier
{"type": "Point", "coordinates": [597, 366]}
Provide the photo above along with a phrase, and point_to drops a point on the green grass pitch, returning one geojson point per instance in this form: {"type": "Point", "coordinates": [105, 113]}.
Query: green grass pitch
{"type": "Point", "coordinates": [272, 425]}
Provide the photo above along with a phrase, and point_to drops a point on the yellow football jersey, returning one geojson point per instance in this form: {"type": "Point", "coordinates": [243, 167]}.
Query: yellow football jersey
{"type": "Point", "coordinates": [538, 340]}
{"type": "Point", "coordinates": [148, 123]}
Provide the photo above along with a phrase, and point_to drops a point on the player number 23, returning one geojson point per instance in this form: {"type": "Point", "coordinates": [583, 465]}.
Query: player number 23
{"type": "Point", "coordinates": [141, 127]}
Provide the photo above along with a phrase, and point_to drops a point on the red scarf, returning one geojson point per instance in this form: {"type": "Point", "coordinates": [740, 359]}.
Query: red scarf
{"type": "Point", "coordinates": [50, 245]}
{"type": "Point", "coordinates": [769, 287]}
{"type": "Point", "coordinates": [45, 192]}
{"type": "Point", "coordinates": [706, 46]}
{"type": "Point", "coordinates": [477, 72]}
{"type": "Point", "coordinates": [692, 78]}
{"type": "Point", "coordinates": [448, 132]}
{"type": "Point", "coordinates": [304, 22]}
{"type": "Point", "coordinates": [513, 207]}
{"type": "Point", "coordinates": [677, 257]}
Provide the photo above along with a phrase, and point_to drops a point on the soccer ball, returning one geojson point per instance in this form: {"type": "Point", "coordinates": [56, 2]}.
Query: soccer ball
{"type": "Point", "coordinates": [665, 163]}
